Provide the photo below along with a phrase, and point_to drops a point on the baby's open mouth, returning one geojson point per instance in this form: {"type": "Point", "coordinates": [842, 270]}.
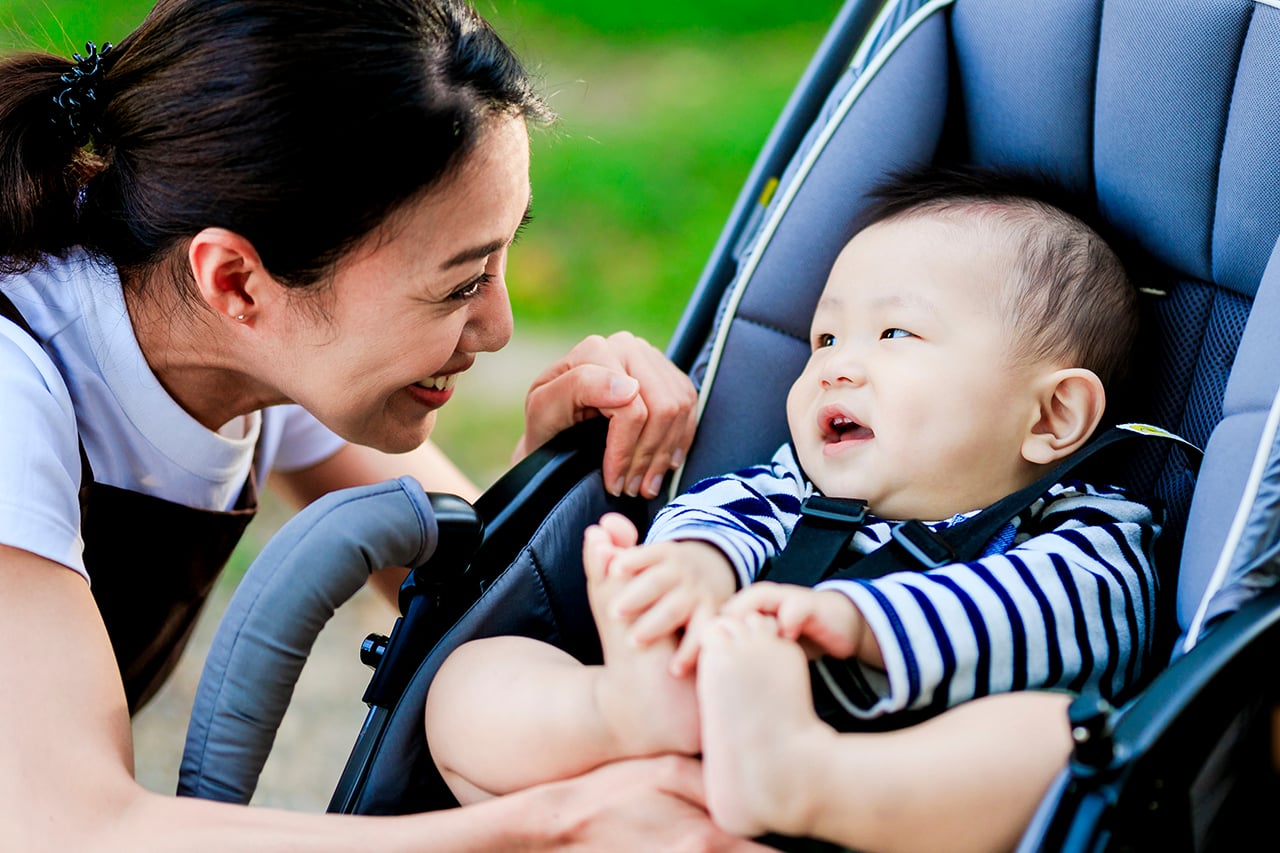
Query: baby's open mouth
{"type": "Point", "coordinates": [841, 427]}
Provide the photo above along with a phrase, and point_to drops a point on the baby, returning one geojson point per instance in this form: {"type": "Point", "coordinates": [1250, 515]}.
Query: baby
{"type": "Point", "coordinates": [959, 350]}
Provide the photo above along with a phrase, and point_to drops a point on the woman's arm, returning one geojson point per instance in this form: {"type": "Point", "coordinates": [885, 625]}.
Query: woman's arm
{"type": "Point", "coordinates": [66, 766]}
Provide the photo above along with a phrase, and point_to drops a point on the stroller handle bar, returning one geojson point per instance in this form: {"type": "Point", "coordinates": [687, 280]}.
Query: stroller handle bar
{"type": "Point", "coordinates": [314, 563]}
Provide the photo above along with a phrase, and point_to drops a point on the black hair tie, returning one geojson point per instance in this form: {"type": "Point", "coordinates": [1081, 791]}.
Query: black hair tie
{"type": "Point", "coordinates": [78, 102]}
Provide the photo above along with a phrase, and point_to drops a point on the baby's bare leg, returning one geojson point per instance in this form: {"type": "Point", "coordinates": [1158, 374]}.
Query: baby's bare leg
{"type": "Point", "coordinates": [967, 780]}
{"type": "Point", "coordinates": [506, 713]}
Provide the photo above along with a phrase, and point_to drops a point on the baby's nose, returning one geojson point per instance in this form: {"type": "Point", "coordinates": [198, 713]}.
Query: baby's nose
{"type": "Point", "coordinates": [843, 371]}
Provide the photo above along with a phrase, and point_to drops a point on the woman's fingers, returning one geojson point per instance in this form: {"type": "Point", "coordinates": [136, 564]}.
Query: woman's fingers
{"type": "Point", "coordinates": [655, 431]}
{"type": "Point", "coordinates": [651, 405]}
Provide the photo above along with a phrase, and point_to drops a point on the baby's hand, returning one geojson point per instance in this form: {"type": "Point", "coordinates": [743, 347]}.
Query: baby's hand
{"type": "Point", "coordinates": [673, 586]}
{"type": "Point", "coordinates": [823, 621]}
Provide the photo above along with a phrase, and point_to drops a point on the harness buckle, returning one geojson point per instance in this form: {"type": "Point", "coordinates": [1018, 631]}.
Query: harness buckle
{"type": "Point", "coordinates": [923, 545]}
{"type": "Point", "coordinates": [842, 511]}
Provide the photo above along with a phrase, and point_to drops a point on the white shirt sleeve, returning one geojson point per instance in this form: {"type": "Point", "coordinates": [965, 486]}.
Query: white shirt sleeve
{"type": "Point", "coordinates": [40, 465]}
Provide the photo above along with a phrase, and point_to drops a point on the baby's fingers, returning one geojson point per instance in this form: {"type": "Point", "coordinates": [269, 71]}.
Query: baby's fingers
{"type": "Point", "coordinates": [686, 656]}
{"type": "Point", "coordinates": [763, 597]}
{"type": "Point", "coordinates": [668, 615]}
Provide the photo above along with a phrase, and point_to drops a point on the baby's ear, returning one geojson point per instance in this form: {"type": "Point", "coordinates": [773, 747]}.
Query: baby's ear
{"type": "Point", "coordinates": [1070, 404]}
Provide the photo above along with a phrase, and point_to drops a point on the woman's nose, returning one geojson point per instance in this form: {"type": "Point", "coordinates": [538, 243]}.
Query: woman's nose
{"type": "Point", "coordinates": [488, 328]}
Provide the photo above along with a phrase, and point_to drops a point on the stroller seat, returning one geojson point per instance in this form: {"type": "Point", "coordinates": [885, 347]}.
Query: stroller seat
{"type": "Point", "coordinates": [1165, 116]}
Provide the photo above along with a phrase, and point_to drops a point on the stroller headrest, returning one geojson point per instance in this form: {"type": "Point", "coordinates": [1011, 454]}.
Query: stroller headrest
{"type": "Point", "coordinates": [1167, 112]}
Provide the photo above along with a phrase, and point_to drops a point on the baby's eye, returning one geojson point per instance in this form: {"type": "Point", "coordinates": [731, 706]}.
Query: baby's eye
{"type": "Point", "coordinates": [824, 339]}
{"type": "Point", "coordinates": [889, 334]}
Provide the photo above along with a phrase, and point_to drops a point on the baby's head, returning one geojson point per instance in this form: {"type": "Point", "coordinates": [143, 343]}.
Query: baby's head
{"type": "Point", "coordinates": [961, 345]}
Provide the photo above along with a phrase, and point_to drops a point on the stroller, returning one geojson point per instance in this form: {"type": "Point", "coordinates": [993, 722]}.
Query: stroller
{"type": "Point", "coordinates": [1159, 112]}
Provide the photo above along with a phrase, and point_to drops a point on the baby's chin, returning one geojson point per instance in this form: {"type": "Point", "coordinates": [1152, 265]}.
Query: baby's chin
{"type": "Point", "coordinates": [895, 507]}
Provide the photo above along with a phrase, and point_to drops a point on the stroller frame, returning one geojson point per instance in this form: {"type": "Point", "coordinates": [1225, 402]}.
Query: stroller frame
{"type": "Point", "coordinates": [1181, 767]}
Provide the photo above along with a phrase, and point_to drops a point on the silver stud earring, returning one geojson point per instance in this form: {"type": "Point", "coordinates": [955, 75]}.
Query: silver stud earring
{"type": "Point", "coordinates": [240, 317]}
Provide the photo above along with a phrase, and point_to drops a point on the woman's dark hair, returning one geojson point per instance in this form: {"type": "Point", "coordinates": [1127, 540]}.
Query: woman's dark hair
{"type": "Point", "coordinates": [301, 125]}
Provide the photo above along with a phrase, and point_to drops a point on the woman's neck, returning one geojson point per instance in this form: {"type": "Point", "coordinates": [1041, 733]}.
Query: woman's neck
{"type": "Point", "coordinates": [194, 356]}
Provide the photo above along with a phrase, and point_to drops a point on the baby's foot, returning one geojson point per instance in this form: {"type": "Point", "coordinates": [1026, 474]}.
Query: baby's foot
{"type": "Point", "coordinates": [760, 736]}
{"type": "Point", "coordinates": [646, 709]}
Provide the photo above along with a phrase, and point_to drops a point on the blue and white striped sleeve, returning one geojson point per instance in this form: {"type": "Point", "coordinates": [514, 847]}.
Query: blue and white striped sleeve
{"type": "Point", "coordinates": [748, 514]}
{"type": "Point", "coordinates": [1071, 606]}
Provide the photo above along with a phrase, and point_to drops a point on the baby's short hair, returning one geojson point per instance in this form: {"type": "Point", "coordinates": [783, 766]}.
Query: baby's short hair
{"type": "Point", "coordinates": [1069, 297]}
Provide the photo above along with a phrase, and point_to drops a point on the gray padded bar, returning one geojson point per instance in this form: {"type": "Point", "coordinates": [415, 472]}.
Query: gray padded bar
{"type": "Point", "coordinates": [315, 562]}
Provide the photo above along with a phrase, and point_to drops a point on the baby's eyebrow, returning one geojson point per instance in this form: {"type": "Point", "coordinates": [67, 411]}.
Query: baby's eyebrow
{"type": "Point", "coordinates": [828, 303]}
{"type": "Point", "coordinates": [909, 299]}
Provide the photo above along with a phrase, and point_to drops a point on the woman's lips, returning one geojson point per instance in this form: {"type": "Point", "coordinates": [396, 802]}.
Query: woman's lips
{"type": "Point", "coordinates": [434, 391]}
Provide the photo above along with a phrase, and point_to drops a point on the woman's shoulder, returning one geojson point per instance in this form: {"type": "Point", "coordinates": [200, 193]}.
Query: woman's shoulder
{"type": "Point", "coordinates": [28, 374]}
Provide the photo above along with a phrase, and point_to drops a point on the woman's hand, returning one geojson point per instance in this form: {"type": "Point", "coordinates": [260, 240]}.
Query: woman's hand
{"type": "Point", "coordinates": [650, 403]}
{"type": "Point", "coordinates": [639, 804]}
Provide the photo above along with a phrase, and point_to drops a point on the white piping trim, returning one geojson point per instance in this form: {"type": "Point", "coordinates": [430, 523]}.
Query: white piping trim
{"type": "Point", "coordinates": [881, 23]}
{"type": "Point", "coordinates": [771, 225]}
{"type": "Point", "coordinates": [1226, 555]}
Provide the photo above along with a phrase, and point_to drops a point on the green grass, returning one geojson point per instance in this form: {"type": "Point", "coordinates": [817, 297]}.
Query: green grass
{"type": "Point", "coordinates": [663, 106]}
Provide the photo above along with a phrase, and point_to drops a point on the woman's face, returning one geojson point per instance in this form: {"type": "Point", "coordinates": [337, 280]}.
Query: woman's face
{"type": "Point", "coordinates": [409, 310]}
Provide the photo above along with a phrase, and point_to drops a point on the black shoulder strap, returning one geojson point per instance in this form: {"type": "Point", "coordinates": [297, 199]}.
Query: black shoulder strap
{"type": "Point", "coordinates": [816, 549]}
{"type": "Point", "coordinates": [817, 545]}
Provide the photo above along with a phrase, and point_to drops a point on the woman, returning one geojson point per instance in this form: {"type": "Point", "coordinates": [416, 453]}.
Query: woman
{"type": "Point", "coordinates": [260, 237]}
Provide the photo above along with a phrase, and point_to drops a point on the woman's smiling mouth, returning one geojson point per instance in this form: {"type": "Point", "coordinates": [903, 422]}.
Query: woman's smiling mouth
{"type": "Point", "coordinates": [438, 383]}
{"type": "Point", "coordinates": [434, 391]}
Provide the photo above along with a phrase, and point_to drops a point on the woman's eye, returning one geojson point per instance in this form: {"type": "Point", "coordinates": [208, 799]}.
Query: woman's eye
{"type": "Point", "coordinates": [824, 340]}
{"type": "Point", "coordinates": [890, 334]}
{"type": "Point", "coordinates": [472, 287]}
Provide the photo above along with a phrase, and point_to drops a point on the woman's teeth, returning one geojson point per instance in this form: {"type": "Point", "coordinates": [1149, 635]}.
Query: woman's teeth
{"type": "Point", "coordinates": [439, 383]}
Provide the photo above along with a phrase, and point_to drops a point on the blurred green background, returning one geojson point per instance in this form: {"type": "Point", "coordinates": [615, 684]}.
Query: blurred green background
{"type": "Point", "coordinates": [663, 106]}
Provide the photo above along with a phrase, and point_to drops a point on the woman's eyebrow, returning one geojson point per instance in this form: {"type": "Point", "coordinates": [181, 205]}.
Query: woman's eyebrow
{"type": "Point", "coordinates": [477, 252]}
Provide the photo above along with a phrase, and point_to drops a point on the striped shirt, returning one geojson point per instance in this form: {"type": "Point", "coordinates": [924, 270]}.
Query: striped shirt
{"type": "Point", "coordinates": [1063, 598]}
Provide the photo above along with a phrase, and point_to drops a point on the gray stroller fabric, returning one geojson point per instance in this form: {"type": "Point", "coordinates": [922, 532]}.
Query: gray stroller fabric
{"type": "Point", "coordinates": [316, 562]}
{"type": "Point", "coordinates": [1253, 564]}
{"type": "Point", "coordinates": [1232, 518]}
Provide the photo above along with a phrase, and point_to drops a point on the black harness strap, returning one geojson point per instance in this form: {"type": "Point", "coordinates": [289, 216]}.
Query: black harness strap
{"type": "Point", "coordinates": [819, 546]}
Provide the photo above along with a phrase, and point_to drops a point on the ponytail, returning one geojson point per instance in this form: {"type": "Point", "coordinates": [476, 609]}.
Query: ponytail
{"type": "Point", "coordinates": [43, 165]}
{"type": "Point", "coordinates": [301, 126]}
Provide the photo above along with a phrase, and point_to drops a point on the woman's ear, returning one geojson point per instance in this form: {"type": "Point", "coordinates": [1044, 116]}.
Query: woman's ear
{"type": "Point", "coordinates": [227, 272]}
{"type": "Point", "coordinates": [1070, 405]}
